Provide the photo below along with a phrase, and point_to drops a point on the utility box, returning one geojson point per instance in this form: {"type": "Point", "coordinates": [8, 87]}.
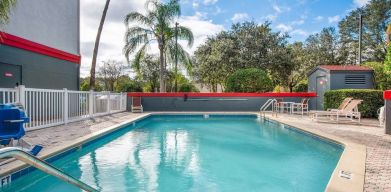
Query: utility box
{"type": "Point", "coordinates": [331, 77]}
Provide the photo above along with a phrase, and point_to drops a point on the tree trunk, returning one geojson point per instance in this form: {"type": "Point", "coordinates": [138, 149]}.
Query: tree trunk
{"type": "Point", "coordinates": [161, 75]}
{"type": "Point", "coordinates": [96, 47]}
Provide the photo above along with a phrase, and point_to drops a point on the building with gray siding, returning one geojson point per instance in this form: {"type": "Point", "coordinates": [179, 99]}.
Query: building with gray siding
{"type": "Point", "coordinates": [40, 47]}
{"type": "Point", "coordinates": [332, 77]}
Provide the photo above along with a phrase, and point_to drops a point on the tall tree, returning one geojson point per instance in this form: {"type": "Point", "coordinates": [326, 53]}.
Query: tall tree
{"type": "Point", "coordinates": [376, 16]}
{"type": "Point", "coordinates": [96, 47]}
{"type": "Point", "coordinates": [109, 72]}
{"type": "Point", "coordinates": [157, 25]}
{"type": "Point", "coordinates": [5, 7]}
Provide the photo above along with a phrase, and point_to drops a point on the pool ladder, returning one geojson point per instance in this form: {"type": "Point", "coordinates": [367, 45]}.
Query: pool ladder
{"type": "Point", "coordinates": [43, 166]}
{"type": "Point", "coordinates": [269, 102]}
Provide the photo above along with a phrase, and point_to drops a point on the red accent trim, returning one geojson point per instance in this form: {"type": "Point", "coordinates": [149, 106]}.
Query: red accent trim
{"type": "Point", "coordinates": [136, 94]}
{"type": "Point", "coordinates": [14, 41]}
{"type": "Point", "coordinates": [387, 95]}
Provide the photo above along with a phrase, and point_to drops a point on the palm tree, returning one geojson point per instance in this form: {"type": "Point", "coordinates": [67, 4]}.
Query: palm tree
{"type": "Point", "coordinates": [96, 47]}
{"type": "Point", "coordinates": [5, 7]}
{"type": "Point", "coordinates": [157, 26]}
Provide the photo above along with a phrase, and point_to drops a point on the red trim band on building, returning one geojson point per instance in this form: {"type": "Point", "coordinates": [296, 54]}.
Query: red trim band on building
{"type": "Point", "coordinates": [133, 94]}
{"type": "Point", "coordinates": [14, 41]}
{"type": "Point", "coordinates": [387, 95]}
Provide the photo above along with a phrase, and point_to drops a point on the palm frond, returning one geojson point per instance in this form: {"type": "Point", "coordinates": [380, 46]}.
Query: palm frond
{"type": "Point", "coordinates": [5, 7]}
{"type": "Point", "coordinates": [185, 33]}
{"type": "Point", "coordinates": [137, 17]}
{"type": "Point", "coordinates": [136, 63]}
{"type": "Point", "coordinates": [132, 42]}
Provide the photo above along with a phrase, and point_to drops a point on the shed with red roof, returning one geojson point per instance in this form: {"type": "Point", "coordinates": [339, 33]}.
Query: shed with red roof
{"type": "Point", "coordinates": [331, 77]}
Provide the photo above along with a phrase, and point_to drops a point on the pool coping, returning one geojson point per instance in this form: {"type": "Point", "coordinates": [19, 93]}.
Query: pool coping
{"type": "Point", "coordinates": [352, 159]}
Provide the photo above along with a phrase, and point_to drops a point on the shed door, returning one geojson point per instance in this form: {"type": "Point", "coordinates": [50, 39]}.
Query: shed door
{"type": "Point", "coordinates": [10, 75]}
{"type": "Point", "coordinates": [320, 90]}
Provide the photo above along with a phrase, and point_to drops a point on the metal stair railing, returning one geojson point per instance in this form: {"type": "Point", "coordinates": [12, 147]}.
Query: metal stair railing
{"type": "Point", "coordinates": [265, 106]}
{"type": "Point", "coordinates": [43, 166]}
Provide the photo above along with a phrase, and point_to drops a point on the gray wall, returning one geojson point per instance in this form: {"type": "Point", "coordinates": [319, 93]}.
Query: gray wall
{"type": "Point", "coordinates": [54, 23]}
{"type": "Point", "coordinates": [337, 80]}
{"type": "Point", "coordinates": [312, 83]}
{"type": "Point", "coordinates": [40, 71]}
{"type": "Point", "coordinates": [205, 103]}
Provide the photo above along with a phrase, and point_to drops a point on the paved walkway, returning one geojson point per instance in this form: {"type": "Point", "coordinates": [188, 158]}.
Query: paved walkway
{"type": "Point", "coordinates": [378, 162]}
{"type": "Point", "coordinates": [63, 134]}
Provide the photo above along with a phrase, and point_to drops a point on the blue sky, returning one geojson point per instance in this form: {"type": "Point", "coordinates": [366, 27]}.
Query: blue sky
{"type": "Point", "coordinates": [299, 18]}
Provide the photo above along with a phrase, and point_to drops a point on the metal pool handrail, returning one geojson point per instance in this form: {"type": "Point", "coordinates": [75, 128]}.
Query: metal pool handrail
{"type": "Point", "coordinates": [43, 166]}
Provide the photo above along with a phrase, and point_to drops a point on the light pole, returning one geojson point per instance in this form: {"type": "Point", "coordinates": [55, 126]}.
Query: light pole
{"type": "Point", "coordinates": [360, 40]}
{"type": "Point", "coordinates": [176, 56]}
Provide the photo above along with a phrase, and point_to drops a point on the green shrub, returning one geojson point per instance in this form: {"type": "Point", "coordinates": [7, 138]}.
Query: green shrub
{"type": "Point", "coordinates": [302, 86]}
{"type": "Point", "coordinates": [249, 80]}
{"type": "Point", "coordinates": [187, 87]}
{"type": "Point", "coordinates": [372, 100]}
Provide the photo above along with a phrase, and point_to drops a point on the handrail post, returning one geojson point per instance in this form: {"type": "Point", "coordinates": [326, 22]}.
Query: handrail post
{"type": "Point", "coordinates": [91, 103]}
{"type": "Point", "coordinates": [21, 95]}
{"type": "Point", "coordinates": [65, 107]}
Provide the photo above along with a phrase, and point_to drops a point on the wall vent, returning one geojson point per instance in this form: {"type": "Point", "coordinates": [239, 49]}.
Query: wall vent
{"type": "Point", "coordinates": [355, 79]}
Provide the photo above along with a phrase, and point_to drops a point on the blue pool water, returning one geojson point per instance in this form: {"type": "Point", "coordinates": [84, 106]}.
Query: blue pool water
{"type": "Point", "coordinates": [193, 153]}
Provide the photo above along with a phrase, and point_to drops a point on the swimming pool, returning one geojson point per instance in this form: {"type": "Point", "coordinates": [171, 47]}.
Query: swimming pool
{"type": "Point", "coordinates": [196, 153]}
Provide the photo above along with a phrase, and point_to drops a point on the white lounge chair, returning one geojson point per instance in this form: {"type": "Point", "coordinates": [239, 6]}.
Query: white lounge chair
{"type": "Point", "coordinates": [349, 112]}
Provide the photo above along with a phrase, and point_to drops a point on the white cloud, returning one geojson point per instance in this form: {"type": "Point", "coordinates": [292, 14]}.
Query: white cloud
{"type": "Point", "coordinates": [334, 19]}
{"type": "Point", "coordinates": [277, 8]}
{"type": "Point", "coordinates": [284, 28]}
{"type": "Point", "coordinates": [239, 17]}
{"type": "Point", "coordinates": [299, 32]}
{"type": "Point", "coordinates": [195, 5]}
{"type": "Point", "coordinates": [298, 22]}
{"type": "Point", "coordinates": [210, 2]}
{"type": "Point", "coordinates": [360, 3]}
{"type": "Point", "coordinates": [319, 18]}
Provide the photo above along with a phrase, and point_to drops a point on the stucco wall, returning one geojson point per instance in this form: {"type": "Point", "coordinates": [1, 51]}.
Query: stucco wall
{"type": "Point", "coordinates": [206, 103]}
{"type": "Point", "coordinates": [40, 71]}
{"type": "Point", "coordinates": [54, 23]}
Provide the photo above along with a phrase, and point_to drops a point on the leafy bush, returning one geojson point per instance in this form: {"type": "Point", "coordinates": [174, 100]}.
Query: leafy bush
{"type": "Point", "coordinates": [302, 86]}
{"type": "Point", "coordinates": [372, 99]}
{"type": "Point", "coordinates": [249, 80]}
{"type": "Point", "coordinates": [382, 79]}
{"type": "Point", "coordinates": [187, 87]}
{"type": "Point", "coordinates": [131, 86]}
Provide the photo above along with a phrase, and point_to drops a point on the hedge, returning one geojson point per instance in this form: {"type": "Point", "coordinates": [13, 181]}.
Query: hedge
{"type": "Point", "coordinates": [372, 100]}
{"type": "Point", "coordinates": [249, 80]}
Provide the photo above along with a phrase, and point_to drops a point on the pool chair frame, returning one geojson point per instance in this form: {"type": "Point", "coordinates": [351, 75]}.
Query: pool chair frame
{"type": "Point", "coordinates": [301, 107]}
{"type": "Point", "coordinates": [137, 107]}
{"type": "Point", "coordinates": [350, 112]}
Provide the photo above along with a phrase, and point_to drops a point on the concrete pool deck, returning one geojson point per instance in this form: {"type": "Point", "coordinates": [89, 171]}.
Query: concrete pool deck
{"type": "Point", "coordinates": [370, 157]}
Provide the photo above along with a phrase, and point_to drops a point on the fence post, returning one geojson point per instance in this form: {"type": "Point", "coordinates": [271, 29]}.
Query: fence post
{"type": "Point", "coordinates": [108, 102]}
{"type": "Point", "coordinates": [91, 103]}
{"type": "Point", "coordinates": [21, 95]}
{"type": "Point", "coordinates": [120, 102]}
{"type": "Point", "coordinates": [65, 107]}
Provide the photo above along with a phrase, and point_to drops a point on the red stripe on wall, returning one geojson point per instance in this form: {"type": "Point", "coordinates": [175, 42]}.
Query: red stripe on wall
{"type": "Point", "coordinates": [14, 41]}
{"type": "Point", "coordinates": [133, 94]}
{"type": "Point", "coordinates": [387, 95]}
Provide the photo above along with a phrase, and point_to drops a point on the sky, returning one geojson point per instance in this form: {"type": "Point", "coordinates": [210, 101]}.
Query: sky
{"type": "Point", "coordinates": [298, 18]}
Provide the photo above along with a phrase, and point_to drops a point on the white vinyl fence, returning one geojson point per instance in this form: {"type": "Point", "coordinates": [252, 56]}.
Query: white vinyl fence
{"type": "Point", "coordinates": [48, 107]}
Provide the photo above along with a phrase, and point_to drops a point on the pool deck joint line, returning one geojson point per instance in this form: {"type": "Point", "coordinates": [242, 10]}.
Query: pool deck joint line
{"type": "Point", "coordinates": [352, 163]}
